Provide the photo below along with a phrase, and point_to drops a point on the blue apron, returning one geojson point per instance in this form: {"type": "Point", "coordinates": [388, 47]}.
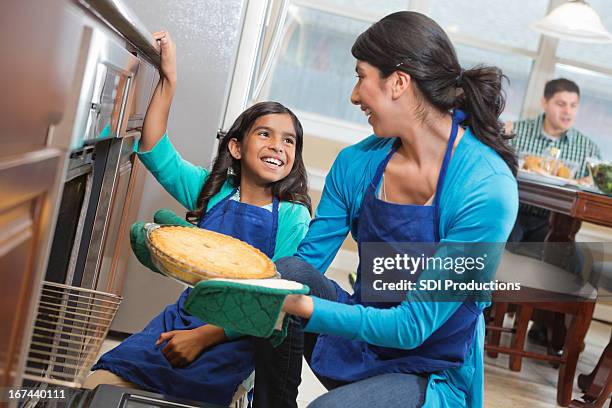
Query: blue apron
{"type": "Point", "coordinates": [342, 359]}
{"type": "Point", "coordinates": [215, 374]}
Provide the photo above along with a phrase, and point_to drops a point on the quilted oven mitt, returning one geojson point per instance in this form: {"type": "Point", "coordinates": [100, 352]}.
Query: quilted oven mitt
{"type": "Point", "coordinates": [138, 235]}
{"type": "Point", "coordinates": [247, 306]}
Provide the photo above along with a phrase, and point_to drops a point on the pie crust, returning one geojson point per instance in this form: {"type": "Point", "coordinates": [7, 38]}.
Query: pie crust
{"type": "Point", "coordinates": [194, 254]}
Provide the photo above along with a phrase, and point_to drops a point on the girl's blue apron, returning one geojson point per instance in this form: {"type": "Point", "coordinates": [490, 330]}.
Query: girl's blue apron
{"type": "Point", "coordinates": [347, 360]}
{"type": "Point", "coordinates": [213, 376]}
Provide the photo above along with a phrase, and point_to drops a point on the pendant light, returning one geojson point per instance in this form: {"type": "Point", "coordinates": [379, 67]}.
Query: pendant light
{"type": "Point", "coordinates": [574, 21]}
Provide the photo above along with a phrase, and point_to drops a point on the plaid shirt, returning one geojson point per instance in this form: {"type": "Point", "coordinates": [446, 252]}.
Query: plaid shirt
{"type": "Point", "coordinates": [575, 148]}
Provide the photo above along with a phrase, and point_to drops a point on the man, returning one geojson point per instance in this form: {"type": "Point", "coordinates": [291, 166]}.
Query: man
{"type": "Point", "coordinates": [551, 129]}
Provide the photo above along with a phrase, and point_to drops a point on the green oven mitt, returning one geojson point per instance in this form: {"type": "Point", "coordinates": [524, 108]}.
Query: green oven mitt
{"type": "Point", "coordinates": [138, 235]}
{"type": "Point", "coordinates": [247, 306]}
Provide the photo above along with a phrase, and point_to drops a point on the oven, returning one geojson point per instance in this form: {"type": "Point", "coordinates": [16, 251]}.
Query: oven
{"type": "Point", "coordinates": [73, 316]}
{"type": "Point", "coordinates": [100, 155]}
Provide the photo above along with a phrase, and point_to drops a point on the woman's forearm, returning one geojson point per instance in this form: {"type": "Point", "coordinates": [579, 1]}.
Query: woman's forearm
{"type": "Point", "coordinates": [298, 305]}
{"type": "Point", "coordinates": [156, 119]}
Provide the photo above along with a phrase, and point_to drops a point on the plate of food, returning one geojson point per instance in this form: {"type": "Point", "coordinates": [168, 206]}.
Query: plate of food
{"type": "Point", "coordinates": [546, 170]}
{"type": "Point", "coordinates": [195, 254]}
{"type": "Point", "coordinates": [543, 178]}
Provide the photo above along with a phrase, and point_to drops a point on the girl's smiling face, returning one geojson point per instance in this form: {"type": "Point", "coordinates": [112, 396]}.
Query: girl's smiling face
{"type": "Point", "coordinates": [267, 151]}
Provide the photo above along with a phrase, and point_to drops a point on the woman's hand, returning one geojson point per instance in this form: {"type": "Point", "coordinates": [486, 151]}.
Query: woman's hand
{"type": "Point", "coordinates": [168, 56]}
{"type": "Point", "coordinates": [298, 305]}
{"type": "Point", "coordinates": [184, 346]}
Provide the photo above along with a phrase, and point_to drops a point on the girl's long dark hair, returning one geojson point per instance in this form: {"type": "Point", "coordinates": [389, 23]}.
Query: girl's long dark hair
{"type": "Point", "coordinates": [292, 188]}
{"type": "Point", "coordinates": [414, 43]}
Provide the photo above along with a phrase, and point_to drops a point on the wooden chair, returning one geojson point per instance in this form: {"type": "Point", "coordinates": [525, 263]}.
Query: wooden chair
{"type": "Point", "coordinates": [543, 287]}
{"type": "Point", "coordinates": [597, 386]}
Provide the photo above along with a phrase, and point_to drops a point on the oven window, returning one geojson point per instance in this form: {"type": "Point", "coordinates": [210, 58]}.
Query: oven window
{"type": "Point", "coordinates": [66, 228]}
{"type": "Point", "coordinates": [107, 103]}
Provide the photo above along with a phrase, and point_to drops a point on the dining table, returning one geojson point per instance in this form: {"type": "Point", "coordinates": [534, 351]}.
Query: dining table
{"type": "Point", "coordinates": [571, 205]}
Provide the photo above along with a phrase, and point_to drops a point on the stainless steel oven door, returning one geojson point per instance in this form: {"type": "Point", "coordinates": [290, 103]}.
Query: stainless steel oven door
{"type": "Point", "coordinates": [106, 91]}
{"type": "Point", "coordinates": [71, 216]}
{"type": "Point", "coordinates": [98, 251]}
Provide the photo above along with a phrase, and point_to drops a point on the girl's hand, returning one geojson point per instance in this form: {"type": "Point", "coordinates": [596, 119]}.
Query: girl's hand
{"type": "Point", "coordinates": [298, 305]}
{"type": "Point", "coordinates": [168, 55]}
{"type": "Point", "coordinates": [184, 346]}
{"type": "Point", "coordinates": [156, 119]}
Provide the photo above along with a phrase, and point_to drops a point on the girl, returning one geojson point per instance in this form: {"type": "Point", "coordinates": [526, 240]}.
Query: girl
{"type": "Point", "coordinates": [256, 192]}
{"type": "Point", "coordinates": [437, 169]}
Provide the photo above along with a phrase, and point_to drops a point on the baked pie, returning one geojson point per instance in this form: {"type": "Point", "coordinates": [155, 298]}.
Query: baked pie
{"type": "Point", "coordinates": [195, 254]}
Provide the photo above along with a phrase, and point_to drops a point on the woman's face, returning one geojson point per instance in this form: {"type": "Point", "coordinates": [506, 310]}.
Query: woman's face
{"type": "Point", "coordinates": [374, 96]}
{"type": "Point", "coordinates": [267, 151]}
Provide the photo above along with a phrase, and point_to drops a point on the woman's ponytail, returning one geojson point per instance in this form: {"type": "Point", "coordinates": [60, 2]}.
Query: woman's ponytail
{"type": "Point", "coordinates": [481, 95]}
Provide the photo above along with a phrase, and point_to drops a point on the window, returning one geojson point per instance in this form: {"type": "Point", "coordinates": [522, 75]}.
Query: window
{"type": "Point", "coordinates": [314, 71]}
{"type": "Point", "coordinates": [502, 22]}
{"type": "Point", "coordinates": [375, 9]}
{"type": "Point", "coordinates": [316, 49]}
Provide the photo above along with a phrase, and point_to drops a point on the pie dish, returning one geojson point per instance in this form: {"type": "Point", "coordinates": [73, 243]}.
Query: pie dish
{"type": "Point", "coordinates": [195, 254]}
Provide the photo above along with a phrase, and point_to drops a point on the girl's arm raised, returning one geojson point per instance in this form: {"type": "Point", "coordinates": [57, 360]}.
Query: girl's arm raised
{"type": "Point", "coordinates": [180, 178]}
{"type": "Point", "coordinates": [156, 119]}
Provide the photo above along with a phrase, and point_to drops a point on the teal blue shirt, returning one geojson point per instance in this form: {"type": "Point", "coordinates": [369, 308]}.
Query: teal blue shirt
{"type": "Point", "coordinates": [184, 181]}
{"type": "Point", "coordinates": [478, 203]}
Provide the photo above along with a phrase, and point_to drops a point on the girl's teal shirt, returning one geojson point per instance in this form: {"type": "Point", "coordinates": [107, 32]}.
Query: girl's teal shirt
{"type": "Point", "coordinates": [184, 181]}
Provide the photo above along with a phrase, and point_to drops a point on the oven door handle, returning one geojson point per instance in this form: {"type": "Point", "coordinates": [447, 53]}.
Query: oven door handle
{"type": "Point", "coordinates": [92, 119]}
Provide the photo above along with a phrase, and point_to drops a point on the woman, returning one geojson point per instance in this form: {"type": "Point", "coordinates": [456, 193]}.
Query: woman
{"type": "Point", "coordinates": [421, 178]}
